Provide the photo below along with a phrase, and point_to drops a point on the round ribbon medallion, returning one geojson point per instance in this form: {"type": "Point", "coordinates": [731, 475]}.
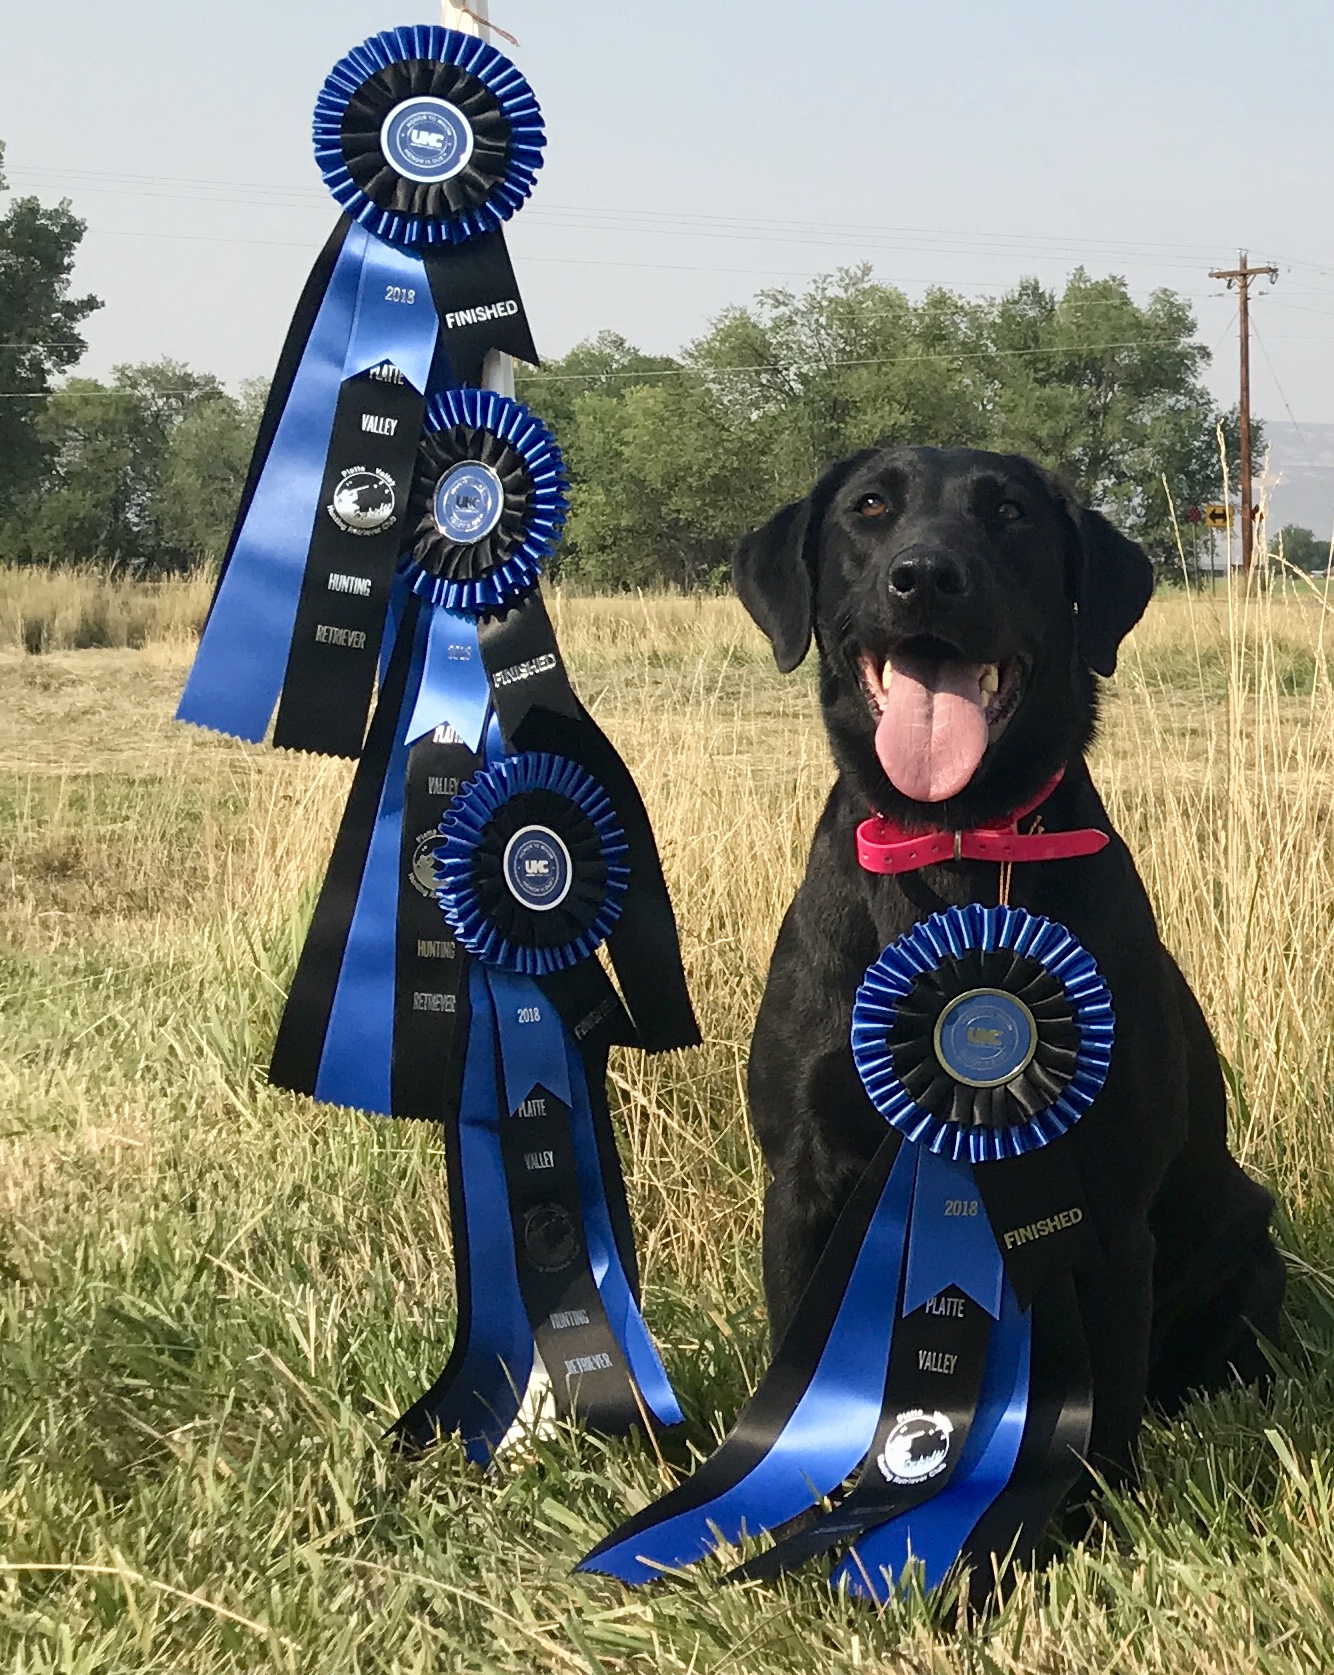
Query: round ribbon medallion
{"type": "Point", "coordinates": [532, 864]}
{"type": "Point", "coordinates": [917, 1448]}
{"type": "Point", "coordinates": [487, 505]}
{"type": "Point", "coordinates": [428, 136]}
{"type": "Point", "coordinates": [983, 1033]}
{"type": "Point", "coordinates": [469, 503]}
{"type": "Point", "coordinates": [427, 140]}
{"type": "Point", "coordinates": [985, 1038]}
{"type": "Point", "coordinates": [537, 868]}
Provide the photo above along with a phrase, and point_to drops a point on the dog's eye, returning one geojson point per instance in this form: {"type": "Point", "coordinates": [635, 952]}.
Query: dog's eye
{"type": "Point", "coordinates": [1009, 510]}
{"type": "Point", "coordinates": [872, 506]}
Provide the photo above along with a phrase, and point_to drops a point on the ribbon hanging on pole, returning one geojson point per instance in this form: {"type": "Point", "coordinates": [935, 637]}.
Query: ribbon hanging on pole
{"type": "Point", "coordinates": [429, 140]}
{"type": "Point", "coordinates": [393, 530]}
{"type": "Point", "coordinates": [533, 874]}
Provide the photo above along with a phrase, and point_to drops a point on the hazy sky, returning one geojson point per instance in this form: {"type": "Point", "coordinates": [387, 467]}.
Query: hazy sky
{"type": "Point", "coordinates": [700, 152]}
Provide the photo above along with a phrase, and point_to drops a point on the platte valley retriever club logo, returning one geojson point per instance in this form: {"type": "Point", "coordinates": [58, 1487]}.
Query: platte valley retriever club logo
{"type": "Point", "coordinates": [917, 1448]}
{"type": "Point", "coordinates": [365, 502]}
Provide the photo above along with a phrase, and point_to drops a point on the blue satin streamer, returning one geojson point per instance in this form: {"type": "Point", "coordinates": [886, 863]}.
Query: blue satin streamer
{"type": "Point", "coordinates": [488, 1387]}
{"type": "Point", "coordinates": [934, 1533]}
{"type": "Point", "coordinates": [242, 658]}
{"type": "Point", "coordinates": [357, 1062]}
{"type": "Point", "coordinates": [623, 1315]}
{"type": "Point", "coordinates": [454, 690]}
{"type": "Point", "coordinates": [832, 1426]}
{"type": "Point", "coordinates": [536, 1050]}
{"type": "Point", "coordinates": [532, 1039]}
{"type": "Point", "coordinates": [396, 319]}
{"type": "Point", "coordinates": [951, 1241]}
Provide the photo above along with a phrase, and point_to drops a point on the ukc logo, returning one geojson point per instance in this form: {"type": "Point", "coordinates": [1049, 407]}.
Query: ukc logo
{"type": "Point", "coordinates": [364, 502]}
{"type": "Point", "coordinates": [537, 869]}
{"type": "Point", "coordinates": [917, 1449]}
{"type": "Point", "coordinates": [469, 501]}
{"type": "Point", "coordinates": [985, 1038]}
{"type": "Point", "coordinates": [427, 140]}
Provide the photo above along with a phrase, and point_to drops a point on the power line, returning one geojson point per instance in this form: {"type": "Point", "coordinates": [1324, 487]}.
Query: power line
{"type": "Point", "coordinates": [723, 371]}
{"type": "Point", "coordinates": [619, 218]}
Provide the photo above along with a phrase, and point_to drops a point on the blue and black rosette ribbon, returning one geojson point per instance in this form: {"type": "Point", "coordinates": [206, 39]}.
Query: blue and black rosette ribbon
{"type": "Point", "coordinates": [392, 532]}
{"type": "Point", "coordinates": [429, 140]}
{"type": "Point", "coordinates": [398, 1007]}
{"type": "Point", "coordinates": [533, 867]}
{"type": "Point", "coordinates": [532, 873]}
{"type": "Point", "coordinates": [427, 136]}
{"type": "Point", "coordinates": [935, 1378]}
{"type": "Point", "coordinates": [488, 502]}
{"type": "Point", "coordinates": [983, 1033]}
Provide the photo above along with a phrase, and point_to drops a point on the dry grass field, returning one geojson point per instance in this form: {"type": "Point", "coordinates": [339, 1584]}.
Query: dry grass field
{"type": "Point", "coordinates": [214, 1296]}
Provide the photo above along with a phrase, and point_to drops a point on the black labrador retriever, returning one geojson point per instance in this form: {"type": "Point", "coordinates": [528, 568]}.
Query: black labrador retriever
{"type": "Point", "coordinates": [962, 604]}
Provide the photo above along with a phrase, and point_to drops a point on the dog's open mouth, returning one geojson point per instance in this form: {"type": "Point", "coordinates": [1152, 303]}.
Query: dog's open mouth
{"type": "Point", "coordinates": [936, 714]}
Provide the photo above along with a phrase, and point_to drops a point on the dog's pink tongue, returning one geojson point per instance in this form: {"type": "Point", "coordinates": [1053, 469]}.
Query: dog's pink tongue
{"type": "Point", "coordinates": [933, 731]}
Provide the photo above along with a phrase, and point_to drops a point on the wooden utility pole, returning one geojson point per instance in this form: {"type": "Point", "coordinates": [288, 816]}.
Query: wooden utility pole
{"type": "Point", "coordinates": [1241, 277]}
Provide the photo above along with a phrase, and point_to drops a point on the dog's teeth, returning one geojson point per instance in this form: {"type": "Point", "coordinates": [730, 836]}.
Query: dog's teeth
{"type": "Point", "coordinates": [990, 682]}
{"type": "Point", "coordinates": [886, 675]}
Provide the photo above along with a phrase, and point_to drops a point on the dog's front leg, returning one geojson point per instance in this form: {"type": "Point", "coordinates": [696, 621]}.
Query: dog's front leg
{"type": "Point", "coordinates": [803, 1202]}
{"type": "Point", "coordinates": [1116, 1304]}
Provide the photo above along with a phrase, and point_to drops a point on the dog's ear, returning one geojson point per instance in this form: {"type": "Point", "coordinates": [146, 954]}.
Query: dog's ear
{"type": "Point", "coordinates": [1112, 579]}
{"type": "Point", "coordinates": [1113, 585]}
{"type": "Point", "coordinates": [774, 576]}
{"type": "Point", "coordinates": [774, 568]}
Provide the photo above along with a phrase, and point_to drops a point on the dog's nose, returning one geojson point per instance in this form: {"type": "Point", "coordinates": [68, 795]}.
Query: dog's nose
{"type": "Point", "coordinates": [925, 573]}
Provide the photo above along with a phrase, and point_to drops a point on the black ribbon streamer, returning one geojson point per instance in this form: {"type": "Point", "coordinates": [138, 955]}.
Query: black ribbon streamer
{"type": "Point", "coordinates": [350, 566]}
{"type": "Point", "coordinates": [538, 710]}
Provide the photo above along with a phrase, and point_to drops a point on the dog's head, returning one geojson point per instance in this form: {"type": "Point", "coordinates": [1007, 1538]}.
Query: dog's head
{"type": "Point", "coordinates": [961, 603]}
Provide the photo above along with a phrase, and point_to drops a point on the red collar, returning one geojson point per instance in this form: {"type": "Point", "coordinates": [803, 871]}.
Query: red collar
{"type": "Point", "coordinates": [885, 847]}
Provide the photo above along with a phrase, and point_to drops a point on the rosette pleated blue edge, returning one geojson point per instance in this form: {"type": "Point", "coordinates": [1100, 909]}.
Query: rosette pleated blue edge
{"type": "Point", "coordinates": [462, 828]}
{"type": "Point", "coordinates": [547, 506]}
{"type": "Point", "coordinates": [512, 93]}
{"type": "Point", "coordinates": [921, 951]}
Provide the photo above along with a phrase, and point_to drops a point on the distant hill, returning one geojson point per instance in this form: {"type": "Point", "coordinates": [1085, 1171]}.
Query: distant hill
{"type": "Point", "coordinates": [1302, 457]}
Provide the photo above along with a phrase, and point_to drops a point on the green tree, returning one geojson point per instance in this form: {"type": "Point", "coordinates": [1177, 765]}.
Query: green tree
{"type": "Point", "coordinates": [1110, 393]}
{"type": "Point", "coordinates": [39, 322]}
{"type": "Point", "coordinates": [672, 461]}
{"type": "Point", "coordinates": [207, 456]}
{"type": "Point", "coordinates": [143, 472]}
{"type": "Point", "coordinates": [1303, 548]}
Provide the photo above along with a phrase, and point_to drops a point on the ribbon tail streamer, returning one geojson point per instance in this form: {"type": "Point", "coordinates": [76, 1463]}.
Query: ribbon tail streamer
{"type": "Point", "coordinates": [479, 1393]}
{"type": "Point", "coordinates": [454, 690]}
{"type": "Point", "coordinates": [569, 1268]}
{"type": "Point", "coordinates": [1055, 1443]}
{"type": "Point", "coordinates": [934, 1533]}
{"type": "Point", "coordinates": [601, 1187]}
{"type": "Point", "coordinates": [238, 670]}
{"type": "Point", "coordinates": [335, 1040]}
{"type": "Point", "coordinates": [952, 1289]}
{"type": "Point", "coordinates": [813, 1417]}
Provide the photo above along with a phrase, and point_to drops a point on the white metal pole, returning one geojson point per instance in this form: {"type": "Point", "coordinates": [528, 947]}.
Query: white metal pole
{"type": "Point", "coordinates": [498, 368]}
{"type": "Point", "coordinates": [537, 1413]}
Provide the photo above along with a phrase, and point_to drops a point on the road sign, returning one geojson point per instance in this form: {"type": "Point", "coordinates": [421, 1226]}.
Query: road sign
{"type": "Point", "coordinates": [1194, 515]}
{"type": "Point", "coordinates": [1217, 517]}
